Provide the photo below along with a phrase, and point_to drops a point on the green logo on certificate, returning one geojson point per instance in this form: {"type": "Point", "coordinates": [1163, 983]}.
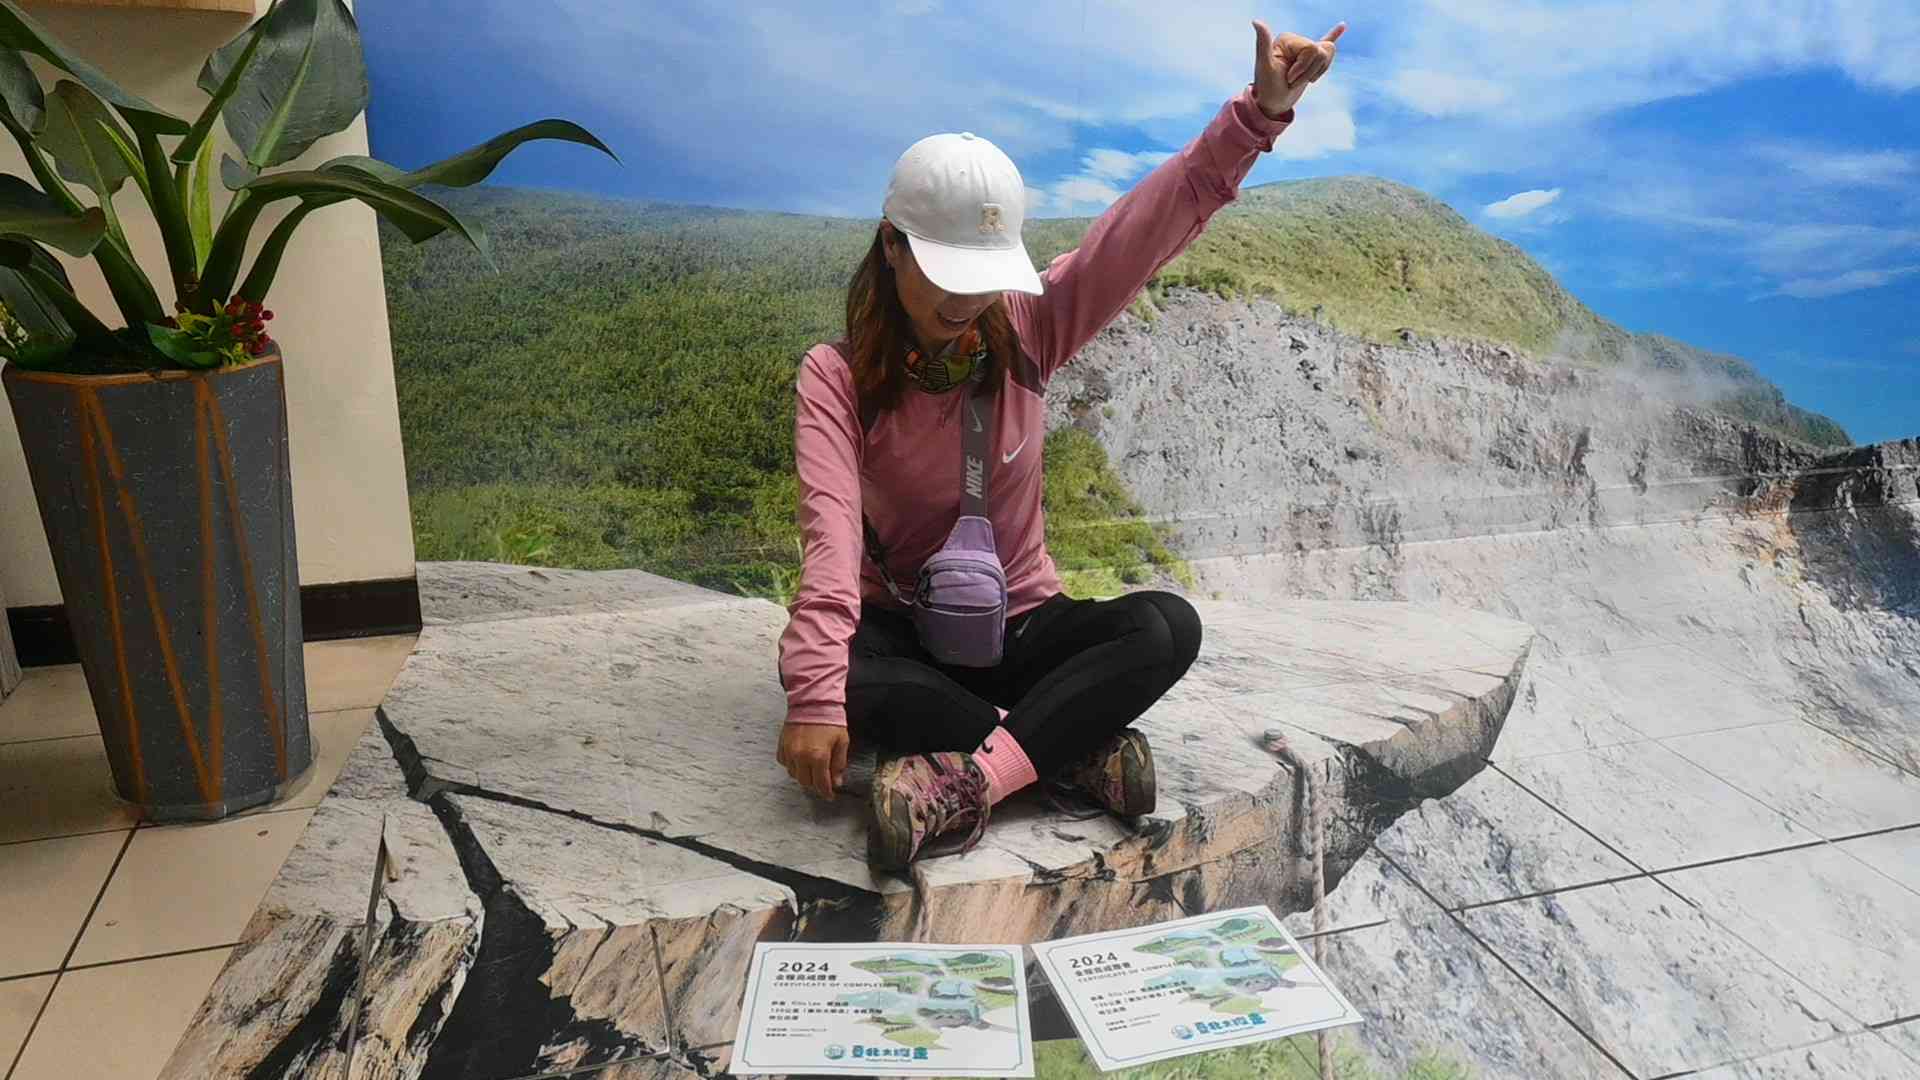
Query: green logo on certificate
{"type": "Point", "coordinates": [1156, 992]}
{"type": "Point", "coordinates": [885, 1010]}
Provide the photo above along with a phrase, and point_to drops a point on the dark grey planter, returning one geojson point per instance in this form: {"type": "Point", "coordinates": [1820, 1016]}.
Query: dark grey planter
{"type": "Point", "coordinates": [168, 504]}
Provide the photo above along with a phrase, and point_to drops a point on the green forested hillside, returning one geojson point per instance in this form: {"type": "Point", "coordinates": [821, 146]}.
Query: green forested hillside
{"type": "Point", "coordinates": [618, 393]}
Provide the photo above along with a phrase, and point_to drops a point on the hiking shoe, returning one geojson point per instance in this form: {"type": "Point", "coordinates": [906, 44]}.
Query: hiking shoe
{"type": "Point", "coordinates": [1117, 776]}
{"type": "Point", "coordinates": [920, 797]}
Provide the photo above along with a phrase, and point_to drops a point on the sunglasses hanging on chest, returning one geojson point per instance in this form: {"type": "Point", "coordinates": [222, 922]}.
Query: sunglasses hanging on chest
{"type": "Point", "coordinates": [964, 360]}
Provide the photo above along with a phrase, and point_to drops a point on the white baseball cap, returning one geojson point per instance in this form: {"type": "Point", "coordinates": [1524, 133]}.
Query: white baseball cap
{"type": "Point", "coordinates": [961, 202]}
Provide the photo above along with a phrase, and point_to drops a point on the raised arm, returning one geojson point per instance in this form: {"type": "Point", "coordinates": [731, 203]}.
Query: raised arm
{"type": "Point", "coordinates": [1151, 224]}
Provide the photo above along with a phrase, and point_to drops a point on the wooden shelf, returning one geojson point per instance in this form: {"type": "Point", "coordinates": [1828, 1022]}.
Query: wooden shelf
{"type": "Point", "coordinates": [232, 7]}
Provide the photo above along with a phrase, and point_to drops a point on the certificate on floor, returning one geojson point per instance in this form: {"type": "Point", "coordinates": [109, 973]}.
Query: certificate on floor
{"type": "Point", "coordinates": [1192, 985]}
{"type": "Point", "coordinates": [885, 1010]}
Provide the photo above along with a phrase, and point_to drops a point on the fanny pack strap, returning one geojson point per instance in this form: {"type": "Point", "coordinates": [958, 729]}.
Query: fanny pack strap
{"type": "Point", "coordinates": [879, 556]}
{"type": "Point", "coordinates": [976, 473]}
{"type": "Point", "coordinates": [976, 459]}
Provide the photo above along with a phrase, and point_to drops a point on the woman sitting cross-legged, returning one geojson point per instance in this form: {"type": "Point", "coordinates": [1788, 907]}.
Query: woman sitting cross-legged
{"type": "Point", "coordinates": [930, 620]}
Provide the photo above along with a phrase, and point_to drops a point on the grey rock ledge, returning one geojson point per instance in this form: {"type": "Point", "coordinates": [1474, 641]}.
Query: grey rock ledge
{"type": "Point", "coordinates": [587, 832]}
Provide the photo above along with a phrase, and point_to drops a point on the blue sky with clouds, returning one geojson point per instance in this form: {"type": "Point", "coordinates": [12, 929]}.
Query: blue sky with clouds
{"type": "Point", "coordinates": [1743, 176]}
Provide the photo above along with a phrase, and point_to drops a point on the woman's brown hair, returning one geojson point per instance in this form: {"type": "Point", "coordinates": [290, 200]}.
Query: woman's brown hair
{"type": "Point", "coordinates": [879, 332]}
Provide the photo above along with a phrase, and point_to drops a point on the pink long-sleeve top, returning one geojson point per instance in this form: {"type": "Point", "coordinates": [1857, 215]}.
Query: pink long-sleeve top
{"type": "Point", "coordinates": [904, 472]}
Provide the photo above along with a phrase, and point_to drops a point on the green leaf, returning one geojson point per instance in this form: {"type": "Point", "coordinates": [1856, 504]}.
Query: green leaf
{"type": "Point", "coordinates": [86, 141]}
{"type": "Point", "coordinates": [131, 157]}
{"type": "Point", "coordinates": [415, 215]}
{"type": "Point", "coordinates": [474, 165]}
{"type": "Point", "coordinates": [372, 168]}
{"type": "Point", "coordinates": [56, 293]}
{"type": "Point", "coordinates": [43, 322]}
{"type": "Point", "coordinates": [28, 212]}
{"type": "Point", "coordinates": [131, 290]}
{"type": "Point", "coordinates": [266, 265]}
{"type": "Point", "coordinates": [221, 91]}
{"type": "Point", "coordinates": [38, 356]}
{"type": "Point", "coordinates": [235, 174]}
{"type": "Point", "coordinates": [170, 215]}
{"type": "Point", "coordinates": [20, 91]}
{"type": "Point", "coordinates": [307, 80]}
{"type": "Point", "coordinates": [180, 347]}
{"type": "Point", "coordinates": [461, 170]}
{"type": "Point", "coordinates": [18, 31]}
{"type": "Point", "coordinates": [419, 217]}
{"type": "Point", "coordinates": [21, 254]}
{"type": "Point", "coordinates": [200, 204]}
{"type": "Point", "coordinates": [41, 165]}
{"type": "Point", "coordinates": [222, 265]}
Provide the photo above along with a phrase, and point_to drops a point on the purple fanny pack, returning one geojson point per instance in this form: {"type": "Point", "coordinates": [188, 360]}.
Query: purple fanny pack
{"type": "Point", "coordinates": [960, 607]}
{"type": "Point", "coordinates": [960, 601]}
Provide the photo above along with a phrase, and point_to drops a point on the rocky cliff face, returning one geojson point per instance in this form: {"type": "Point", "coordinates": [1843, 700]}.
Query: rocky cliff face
{"type": "Point", "coordinates": [1290, 459]}
{"type": "Point", "coordinates": [1728, 665]}
{"type": "Point", "coordinates": [1262, 433]}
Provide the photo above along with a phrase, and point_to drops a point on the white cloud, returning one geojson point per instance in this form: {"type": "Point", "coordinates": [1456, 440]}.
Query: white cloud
{"type": "Point", "coordinates": [798, 103]}
{"type": "Point", "coordinates": [1081, 195]}
{"type": "Point", "coordinates": [1815, 288]}
{"type": "Point", "coordinates": [1440, 93]}
{"type": "Point", "coordinates": [790, 105]}
{"type": "Point", "coordinates": [1824, 248]}
{"type": "Point", "coordinates": [1524, 61]}
{"type": "Point", "coordinates": [1774, 228]}
{"type": "Point", "coordinates": [1116, 165]}
{"type": "Point", "coordinates": [1522, 204]}
{"type": "Point", "coordinates": [1631, 276]}
{"type": "Point", "coordinates": [1322, 124]}
{"type": "Point", "coordinates": [1843, 168]}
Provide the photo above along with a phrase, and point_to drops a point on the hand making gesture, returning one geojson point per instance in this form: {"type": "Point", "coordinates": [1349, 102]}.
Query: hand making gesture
{"type": "Point", "coordinates": [1284, 66]}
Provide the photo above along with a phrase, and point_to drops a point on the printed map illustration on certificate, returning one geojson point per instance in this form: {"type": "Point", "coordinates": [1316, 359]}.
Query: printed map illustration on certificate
{"type": "Point", "coordinates": [885, 1010]}
{"type": "Point", "coordinates": [1196, 984]}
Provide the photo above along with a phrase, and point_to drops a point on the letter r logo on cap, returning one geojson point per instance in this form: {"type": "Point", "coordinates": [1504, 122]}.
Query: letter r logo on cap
{"type": "Point", "coordinates": [990, 219]}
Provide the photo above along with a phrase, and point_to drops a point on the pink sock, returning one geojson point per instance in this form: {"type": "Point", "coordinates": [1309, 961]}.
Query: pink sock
{"type": "Point", "coordinates": [1005, 764]}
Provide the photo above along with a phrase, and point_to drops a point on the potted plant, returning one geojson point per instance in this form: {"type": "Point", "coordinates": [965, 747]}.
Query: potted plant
{"type": "Point", "coordinates": [158, 447]}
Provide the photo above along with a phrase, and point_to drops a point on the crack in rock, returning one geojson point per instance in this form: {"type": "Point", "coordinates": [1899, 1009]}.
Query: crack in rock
{"type": "Point", "coordinates": [425, 787]}
{"type": "Point", "coordinates": [506, 1018]}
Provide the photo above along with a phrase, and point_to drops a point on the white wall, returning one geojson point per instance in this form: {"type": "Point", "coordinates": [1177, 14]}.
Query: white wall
{"type": "Point", "coordinates": [350, 496]}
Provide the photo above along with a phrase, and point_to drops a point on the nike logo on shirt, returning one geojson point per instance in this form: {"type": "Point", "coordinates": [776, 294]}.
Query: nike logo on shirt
{"type": "Point", "coordinates": [1008, 459]}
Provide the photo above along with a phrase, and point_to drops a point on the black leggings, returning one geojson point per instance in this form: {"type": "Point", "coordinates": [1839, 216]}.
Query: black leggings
{"type": "Point", "coordinates": [1073, 673]}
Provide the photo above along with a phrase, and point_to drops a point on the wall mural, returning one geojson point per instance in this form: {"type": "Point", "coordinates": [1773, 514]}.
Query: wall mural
{"type": "Point", "coordinates": [1614, 341]}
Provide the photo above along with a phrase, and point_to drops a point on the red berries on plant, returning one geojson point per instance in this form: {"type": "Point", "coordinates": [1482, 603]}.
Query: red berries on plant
{"type": "Point", "coordinates": [240, 325]}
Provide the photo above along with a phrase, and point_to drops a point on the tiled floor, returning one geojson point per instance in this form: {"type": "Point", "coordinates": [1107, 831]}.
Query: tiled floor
{"type": "Point", "coordinates": [110, 917]}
